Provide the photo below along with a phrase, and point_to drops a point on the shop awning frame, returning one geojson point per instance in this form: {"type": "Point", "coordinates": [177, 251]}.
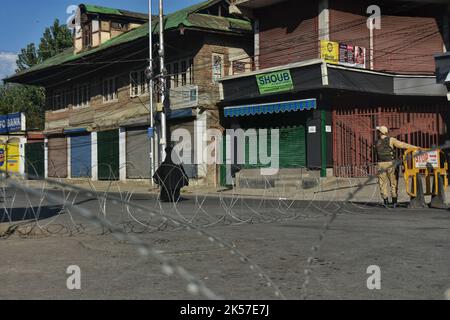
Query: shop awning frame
{"type": "Point", "coordinates": [267, 108]}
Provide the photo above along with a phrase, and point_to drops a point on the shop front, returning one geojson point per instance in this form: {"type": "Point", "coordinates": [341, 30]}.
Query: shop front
{"type": "Point", "coordinates": [335, 134]}
{"type": "Point", "coordinates": [80, 141]}
{"type": "Point", "coordinates": [108, 155]}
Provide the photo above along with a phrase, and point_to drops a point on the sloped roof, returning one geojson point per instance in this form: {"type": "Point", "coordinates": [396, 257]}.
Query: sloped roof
{"type": "Point", "coordinates": [187, 17]}
{"type": "Point", "coordinates": [90, 8]}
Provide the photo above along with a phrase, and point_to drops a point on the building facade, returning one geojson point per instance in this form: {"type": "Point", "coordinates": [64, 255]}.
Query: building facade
{"type": "Point", "coordinates": [326, 79]}
{"type": "Point", "coordinates": [97, 93]}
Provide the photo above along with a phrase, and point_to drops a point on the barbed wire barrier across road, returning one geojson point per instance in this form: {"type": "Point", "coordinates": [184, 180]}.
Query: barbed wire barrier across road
{"type": "Point", "coordinates": [58, 208]}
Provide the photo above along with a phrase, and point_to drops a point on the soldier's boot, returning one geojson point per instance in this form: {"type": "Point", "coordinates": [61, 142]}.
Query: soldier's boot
{"type": "Point", "coordinates": [394, 203]}
{"type": "Point", "coordinates": [386, 203]}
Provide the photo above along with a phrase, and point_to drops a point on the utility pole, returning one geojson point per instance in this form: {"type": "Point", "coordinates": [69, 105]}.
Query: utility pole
{"type": "Point", "coordinates": [163, 80]}
{"type": "Point", "coordinates": [150, 93]}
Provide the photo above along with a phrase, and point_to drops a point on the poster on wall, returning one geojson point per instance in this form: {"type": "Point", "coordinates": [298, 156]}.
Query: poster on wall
{"type": "Point", "coordinates": [346, 55]}
{"type": "Point", "coordinates": [360, 57]}
{"type": "Point", "coordinates": [329, 51]}
{"type": "Point", "coordinates": [343, 54]}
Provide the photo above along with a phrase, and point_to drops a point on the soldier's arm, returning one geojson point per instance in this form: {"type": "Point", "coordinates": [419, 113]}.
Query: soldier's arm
{"type": "Point", "coordinates": [401, 145]}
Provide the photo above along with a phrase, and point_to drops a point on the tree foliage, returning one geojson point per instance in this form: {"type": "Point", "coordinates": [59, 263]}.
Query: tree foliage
{"type": "Point", "coordinates": [31, 99]}
{"type": "Point", "coordinates": [27, 99]}
{"type": "Point", "coordinates": [55, 39]}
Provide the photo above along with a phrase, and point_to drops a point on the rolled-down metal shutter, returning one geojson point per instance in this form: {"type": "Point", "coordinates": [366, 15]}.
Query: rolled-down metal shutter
{"type": "Point", "coordinates": [292, 148]}
{"type": "Point", "coordinates": [138, 153]}
{"type": "Point", "coordinates": [190, 168]}
{"type": "Point", "coordinates": [81, 156]}
{"type": "Point", "coordinates": [34, 160]}
{"type": "Point", "coordinates": [57, 157]}
{"type": "Point", "coordinates": [108, 155]}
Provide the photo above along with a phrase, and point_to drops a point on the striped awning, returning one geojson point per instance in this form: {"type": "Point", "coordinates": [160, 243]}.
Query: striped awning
{"type": "Point", "coordinates": [277, 107]}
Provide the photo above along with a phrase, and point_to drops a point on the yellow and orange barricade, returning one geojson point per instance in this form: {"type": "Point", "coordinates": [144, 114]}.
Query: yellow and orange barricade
{"type": "Point", "coordinates": [430, 164]}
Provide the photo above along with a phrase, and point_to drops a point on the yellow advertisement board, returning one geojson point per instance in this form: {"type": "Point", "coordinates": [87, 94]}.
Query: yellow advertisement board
{"type": "Point", "coordinates": [10, 156]}
{"type": "Point", "coordinates": [329, 51]}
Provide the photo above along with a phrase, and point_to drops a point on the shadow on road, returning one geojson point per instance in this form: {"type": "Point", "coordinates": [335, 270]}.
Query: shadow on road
{"type": "Point", "coordinates": [29, 213]}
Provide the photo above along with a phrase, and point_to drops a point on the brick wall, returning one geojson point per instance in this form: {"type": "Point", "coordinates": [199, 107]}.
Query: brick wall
{"type": "Point", "coordinates": [288, 33]}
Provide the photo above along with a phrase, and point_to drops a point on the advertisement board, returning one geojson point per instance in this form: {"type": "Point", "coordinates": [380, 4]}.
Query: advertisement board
{"type": "Point", "coordinates": [329, 51]}
{"type": "Point", "coordinates": [423, 160]}
{"type": "Point", "coordinates": [278, 81]}
{"type": "Point", "coordinates": [184, 97]}
{"type": "Point", "coordinates": [14, 122]}
{"type": "Point", "coordinates": [343, 54]}
{"type": "Point", "coordinates": [10, 157]}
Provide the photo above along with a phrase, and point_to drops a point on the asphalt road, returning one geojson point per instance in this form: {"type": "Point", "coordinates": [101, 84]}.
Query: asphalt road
{"type": "Point", "coordinates": [411, 248]}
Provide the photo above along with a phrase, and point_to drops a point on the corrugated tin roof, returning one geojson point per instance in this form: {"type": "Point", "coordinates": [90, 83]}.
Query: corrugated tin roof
{"type": "Point", "coordinates": [111, 11]}
{"type": "Point", "coordinates": [186, 17]}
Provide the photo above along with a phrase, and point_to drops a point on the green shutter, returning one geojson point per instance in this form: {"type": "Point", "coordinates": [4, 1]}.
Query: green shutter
{"type": "Point", "coordinates": [34, 163]}
{"type": "Point", "coordinates": [108, 155]}
{"type": "Point", "coordinates": [292, 148]}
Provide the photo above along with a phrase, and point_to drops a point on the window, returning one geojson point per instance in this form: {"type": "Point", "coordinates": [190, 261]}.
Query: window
{"type": "Point", "coordinates": [217, 67]}
{"type": "Point", "coordinates": [183, 73]}
{"type": "Point", "coordinates": [138, 83]}
{"type": "Point", "coordinates": [110, 90]}
{"type": "Point", "coordinates": [180, 73]}
{"type": "Point", "coordinates": [169, 76]}
{"type": "Point", "coordinates": [81, 96]}
{"type": "Point", "coordinates": [119, 26]}
{"type": "Point", "coordinates": [176, 74]}
{"type": "Point", "coordinates": [59, 100]}
{"type": "Point", "coordinates": [87, 36]}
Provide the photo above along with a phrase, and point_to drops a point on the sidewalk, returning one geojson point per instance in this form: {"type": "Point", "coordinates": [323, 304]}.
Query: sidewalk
{"type": "Point", "coordinates": [329, 189]}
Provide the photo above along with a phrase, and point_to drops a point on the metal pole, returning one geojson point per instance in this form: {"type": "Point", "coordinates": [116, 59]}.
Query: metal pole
{"type": "Point", "coordinates": [150, 92]}
{"type": "Point", "coordinates": [163, 80]}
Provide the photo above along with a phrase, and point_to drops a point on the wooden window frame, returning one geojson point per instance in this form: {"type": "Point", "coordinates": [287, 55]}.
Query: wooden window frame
{"type": "Point", "coordinates": [112, 94]}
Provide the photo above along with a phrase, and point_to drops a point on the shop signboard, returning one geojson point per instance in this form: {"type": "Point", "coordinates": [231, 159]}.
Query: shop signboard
{"type": "Point", "coordinates": [14, 122]}
{"type": "Point", "coordinates": [274, 82]}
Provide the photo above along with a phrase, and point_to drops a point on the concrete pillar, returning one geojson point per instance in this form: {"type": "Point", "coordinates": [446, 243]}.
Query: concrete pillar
{"type": "Point", "coordinates": [22, 142]}
{"type": "Point", "coordinates": [46, 158]}
{"type": "Point", "coordinates": [69, 159]}
{"type": "Point", "coordinates": [324, 20]}
{"type": "Point", "coordinates": [122, 154]}
{"type": "Point", "coordinates": [200, 143]}
{"type": "Point", "coordinates": [94, 156]}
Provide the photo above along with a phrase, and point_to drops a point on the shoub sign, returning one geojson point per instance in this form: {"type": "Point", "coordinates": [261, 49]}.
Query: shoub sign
{"type": "Point", "coordinates": [426, 159]}
{"type": "Point", "coordinates": [14, 122]}
{"type": "Point", "coordinates": [273, 82]}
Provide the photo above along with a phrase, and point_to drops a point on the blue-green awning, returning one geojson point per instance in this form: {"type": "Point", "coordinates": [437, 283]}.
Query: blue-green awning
{"type": "Point", "coordinates": [277, 107]}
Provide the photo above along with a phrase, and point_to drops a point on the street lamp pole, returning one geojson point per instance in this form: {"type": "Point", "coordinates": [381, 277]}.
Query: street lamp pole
{"type": "Point", "coordinates": [150, 93]}
{"type": "Point", "coordinates": [163, 80]}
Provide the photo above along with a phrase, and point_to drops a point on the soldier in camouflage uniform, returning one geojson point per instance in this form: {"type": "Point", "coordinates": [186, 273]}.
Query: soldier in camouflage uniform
{"type": "Point", "coordinates": [387, 178]}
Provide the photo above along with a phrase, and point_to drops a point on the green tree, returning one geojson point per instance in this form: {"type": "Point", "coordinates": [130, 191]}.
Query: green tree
{"type": "Point", "coordinates": [27, 99]}
{"type": "Point", "coordinates": [31, 99]}
{"type": "Point", "coordinates": [27, 58]}
{"type": "Point", "coordinates": [56, 39]}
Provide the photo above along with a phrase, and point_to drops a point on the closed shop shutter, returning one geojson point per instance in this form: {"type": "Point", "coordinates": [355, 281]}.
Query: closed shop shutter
{"type": "Point", "coordinates": [190, 168]}
{"type": "Point", "coordinates": [292, 149]}
{"type": "Point", "coordinates": [57, 157]}
{"type": "Point", "coordinates": [108, 155]}
{"type": "Point", "coordinates": [34, 160]}
{"type": "Point", "coordinates": [138, 154]}
{"type": "Point", "coordinates": [81, 156]}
